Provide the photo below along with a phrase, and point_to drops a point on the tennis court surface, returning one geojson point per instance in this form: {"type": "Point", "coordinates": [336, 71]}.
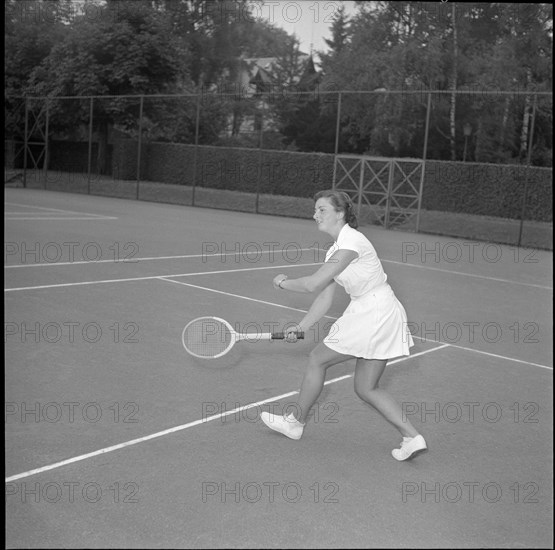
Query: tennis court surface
{"type": "Point", "coordinates": [116, 438]}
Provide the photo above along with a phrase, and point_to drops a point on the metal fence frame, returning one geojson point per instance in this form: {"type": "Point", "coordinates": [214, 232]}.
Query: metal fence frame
{"type": "Point", "coordinates": [44, 109]}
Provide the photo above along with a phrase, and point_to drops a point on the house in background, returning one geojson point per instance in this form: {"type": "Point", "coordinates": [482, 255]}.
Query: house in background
{"type": "Point", "coordinates": [257, 81]}
{"type": "Point", "coordinates": [255, 74]}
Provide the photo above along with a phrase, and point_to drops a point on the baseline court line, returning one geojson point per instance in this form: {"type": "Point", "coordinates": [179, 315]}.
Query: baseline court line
{"type": "Point", "coordinates": [182, 426]}
{"type": "Point", "coordinates": [53, 209]}
{"type": "Point", "coordinates": [485, 277]}
{"type": "Point", "coordinates": [237, 270]}
{"type": "Point", "coordinates": [150, 277]}
{"type": "Point", "coordinates": [64, 218]}
{"type": "Point", "coordinates": [444, 344]}
{"type": "Point", "coordinates": [147, 259]}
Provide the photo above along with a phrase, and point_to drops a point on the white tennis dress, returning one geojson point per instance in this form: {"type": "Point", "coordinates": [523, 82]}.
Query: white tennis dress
{"type": "Point", "coordinates": [374, 325]}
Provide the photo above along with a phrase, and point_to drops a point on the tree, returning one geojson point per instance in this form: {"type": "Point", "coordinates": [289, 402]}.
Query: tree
{"type": "Point", "coordinates": [305, 124]}
{"type": "Point", "coordinates": [170, 46]}
{"type": "Point", "coordinates": [31, 31]}
{"type": "Point", "coordinates": [130, 54]}
{"type": "Point", "coordinates": [139, 47]}
{"type": "Point", "coordinates": [263, 39]}
{"type": "Point", "coordinates": [532, 47]}
{"type": "Point", "coordinates": [436, 46]}
{"type": "Point", "coordinates": [508, 48]}
{"type": "Point", "coordinates": [286, 97]}
{"type": "Point", "coordinates": [308, 118]}
{"type": "Point", "coordinates": [340, 35]}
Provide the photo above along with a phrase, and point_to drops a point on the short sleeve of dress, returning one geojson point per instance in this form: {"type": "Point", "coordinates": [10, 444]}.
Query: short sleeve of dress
{"type": "Point", "coordinates": [351, 239]}
{"type": "Point", "coordinates": [364, 272]}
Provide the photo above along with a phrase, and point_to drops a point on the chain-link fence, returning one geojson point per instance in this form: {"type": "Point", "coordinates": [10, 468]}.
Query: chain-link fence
{"type": "Point", "coordinates": [470, 164]}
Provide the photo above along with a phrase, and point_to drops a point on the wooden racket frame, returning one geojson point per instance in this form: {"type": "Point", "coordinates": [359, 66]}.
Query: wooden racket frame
{"type": "Point", "coordinates": [235, 336]}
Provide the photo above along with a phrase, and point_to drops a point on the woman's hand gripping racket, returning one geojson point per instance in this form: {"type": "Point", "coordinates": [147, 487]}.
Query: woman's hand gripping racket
{"type": "Point", "coordinates": [212, 337]}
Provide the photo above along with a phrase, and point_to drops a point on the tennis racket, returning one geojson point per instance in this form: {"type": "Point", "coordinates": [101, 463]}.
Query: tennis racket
{"type": "Point", "coordinates": [212, 337]}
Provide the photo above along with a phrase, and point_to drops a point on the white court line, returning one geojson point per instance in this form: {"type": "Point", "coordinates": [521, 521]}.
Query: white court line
{"type": "Point", "coordinates": [155, 277]}
{"type": "Point", "coordinates": [96, 218]}
{"type": "Point", "coordinates": [544, 287]}
{"type": "Point", "coordinates": [493, 355]}
{"type": "Point", "coordinates": [53, 209]}
{"type": "Point", "coordinates": [147, 259]}
{"type": "Point", "coordinates": [443, 344]}
{"type": "Point", "coordinates": [246, 269]}
{"type": "Point", "coordinates": [234, 411]}
{"type": "Point", "coordinates": [168, 279]}
{"type": "Point", "coordinates": [183, 426]}
{"type": "Point", "coordinates": [468, 274]}
{"type": "Point", "coordinates": [238, 296]}
{"type": "Point", "coordinates": [40, 214]}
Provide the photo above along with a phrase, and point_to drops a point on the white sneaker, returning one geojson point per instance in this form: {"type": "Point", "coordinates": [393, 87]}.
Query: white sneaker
{"type": "Point", "coordinates": [286, 425]}
{"type": "Point", "coordinates": [410, 448]}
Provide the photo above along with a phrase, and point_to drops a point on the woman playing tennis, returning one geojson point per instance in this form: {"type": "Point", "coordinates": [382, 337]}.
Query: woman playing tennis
{"type": "Point", "coordinates": [372, 329]}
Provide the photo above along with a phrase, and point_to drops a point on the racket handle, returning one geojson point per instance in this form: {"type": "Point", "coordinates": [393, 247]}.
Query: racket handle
{"type": "Point", "coordinates": [281, 335]}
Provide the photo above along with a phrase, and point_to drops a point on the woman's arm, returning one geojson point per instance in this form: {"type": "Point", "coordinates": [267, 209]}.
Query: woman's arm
{"type": "Point", "coordinates": [319, 307]}
{"type": "Point", "coordinates": [322, 278]}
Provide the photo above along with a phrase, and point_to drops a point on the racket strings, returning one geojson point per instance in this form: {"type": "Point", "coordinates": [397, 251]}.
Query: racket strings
{"type": "Point", "coordinates": [207, 337]}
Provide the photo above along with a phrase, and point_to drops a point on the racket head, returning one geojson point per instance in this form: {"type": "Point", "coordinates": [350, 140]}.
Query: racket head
{"type": "Point", "coordinates": [208, 337]}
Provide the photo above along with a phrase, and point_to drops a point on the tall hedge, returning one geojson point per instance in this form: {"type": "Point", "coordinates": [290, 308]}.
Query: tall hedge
{"type": "Point", "coordinates": [272, 172]}
{"type": "Point", "coordinates": [488, 189]}
{"type": "Point", "coordinates": [471, 188]}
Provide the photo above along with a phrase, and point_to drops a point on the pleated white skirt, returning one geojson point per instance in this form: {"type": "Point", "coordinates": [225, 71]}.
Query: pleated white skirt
{"type": "Point", "coordinates": [374, 326]}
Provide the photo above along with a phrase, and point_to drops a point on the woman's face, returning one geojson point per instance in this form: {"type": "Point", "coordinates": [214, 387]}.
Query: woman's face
{"type": "Point", "coordinates": [325, 215]}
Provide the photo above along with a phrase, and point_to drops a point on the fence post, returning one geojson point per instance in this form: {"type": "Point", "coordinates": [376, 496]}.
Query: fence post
{"type": "Point", "coordinates": [45, 161]}
{"type": "Point", "coordinates": [25, 142]}
{"type": "Point", "coordinates": [260, 154]}
{"type": "Point", "coordinates": [390, 177]}
{"type": "Point", "coordinates": [424, 155]}
{"type": "Point", "coordinates": [91, 106]}
{"type": "Point", "coordinates": [195, 155]}
{"type": "Point", "coordinates": [528, 161]}
{"type": "Point", "coordinates": [139, 145]}
{"type": "Point", "coordinates": [360, 187]}
{"type": "Point", "coordinates": [337, 124]}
